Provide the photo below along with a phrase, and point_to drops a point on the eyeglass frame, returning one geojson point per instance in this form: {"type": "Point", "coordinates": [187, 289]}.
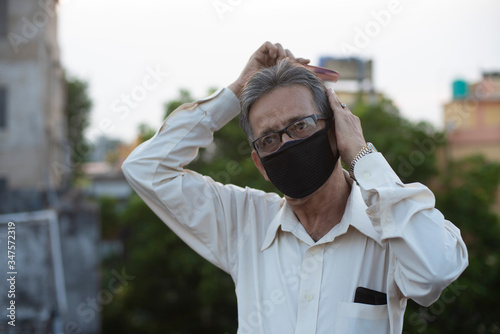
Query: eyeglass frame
{"type": "Point", "coordinates": [315, 117]}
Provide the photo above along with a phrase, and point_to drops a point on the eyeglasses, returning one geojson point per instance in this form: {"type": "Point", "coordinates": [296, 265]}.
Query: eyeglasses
{"type": "Point", "coordinates": [300, 129]}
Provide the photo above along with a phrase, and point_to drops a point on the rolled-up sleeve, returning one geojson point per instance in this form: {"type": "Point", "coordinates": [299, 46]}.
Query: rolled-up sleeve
{"type": "Point", "coordinates": [428, 251]}
{"type": "Point", "coordinates": [193, 206]}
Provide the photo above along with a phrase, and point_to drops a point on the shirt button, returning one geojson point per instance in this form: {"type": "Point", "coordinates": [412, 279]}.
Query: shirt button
{"type": "Point", "coordinates": [309, 297]}
{"type": "Point", "coordinates": [314, 251]}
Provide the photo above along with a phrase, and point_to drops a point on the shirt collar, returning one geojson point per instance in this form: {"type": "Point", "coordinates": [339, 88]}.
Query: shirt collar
{"type": "Point", "coordinates": [354, 215]}
{"type": "Point", "coordinates": [285, 218]}
{"type": "Point", "coordinates": [357, 216]}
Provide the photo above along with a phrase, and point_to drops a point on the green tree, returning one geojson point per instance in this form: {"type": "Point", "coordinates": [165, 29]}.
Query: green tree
{"type": "Point", "coordinates": [77, 108]}
{"type": "Point", "coordinates": [145, 132]}
{"type": "Point", "coordinates": [228, 159]}
{"type": "Point", "coordinates": [465, 192]}
{"type": "Point", "coordinates": [470, 305]}
{"type": "Point", "coordinates": [408, 147]}
{"type": "Point", "coordinates": [176, 291]}
{"type": "Point", "coordinates": [184, 97]}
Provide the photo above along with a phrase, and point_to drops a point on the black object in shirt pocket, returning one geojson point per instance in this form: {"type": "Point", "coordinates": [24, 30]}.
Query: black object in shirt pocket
{"type": "Point", "coordinates": [370, 297]}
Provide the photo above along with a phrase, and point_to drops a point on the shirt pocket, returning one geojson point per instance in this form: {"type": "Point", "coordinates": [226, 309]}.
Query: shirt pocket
{"type": "Point", "coordinates": [356, 318]}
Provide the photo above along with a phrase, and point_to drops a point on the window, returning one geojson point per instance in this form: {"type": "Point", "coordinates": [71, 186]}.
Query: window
{"type": "Point", "coordinates": [3, 107]}
{"type": "Point", "coordinates": [3, 18]}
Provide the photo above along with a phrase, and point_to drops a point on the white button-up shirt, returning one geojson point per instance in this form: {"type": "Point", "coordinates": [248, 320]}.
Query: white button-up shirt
{"type": "Point", "coordinates": [391, 239]}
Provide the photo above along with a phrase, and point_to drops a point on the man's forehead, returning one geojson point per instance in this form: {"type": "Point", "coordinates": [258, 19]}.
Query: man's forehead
{"type": "Point", "coordinates": [281, 107]}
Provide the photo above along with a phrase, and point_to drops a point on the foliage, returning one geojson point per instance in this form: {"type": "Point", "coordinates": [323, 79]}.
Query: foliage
{"type": "Point", "coordinates": [145, 132]}
{"type": "Point", "coordinates": [184, 97]}
{"type": "Point", "coordinates": [228, 159]}
{"type": "Point", "coordinates": [176, 291]}
{"type": "Point", "coordinates": [77, 110]}
{"type": "Point", "coordinates": [470, 305]}
{"type": "Point", "coordinates": [409, 148]}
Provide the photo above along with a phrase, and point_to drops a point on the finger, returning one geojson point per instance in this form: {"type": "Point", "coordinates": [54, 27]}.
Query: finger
{"type": "Point", "coordinates": [266, 54]}
{"type": "Point", "coordinates": [270, 52]}
{"type": "Point", "coordinates": [266, 48]}
{"type": "Point", "coordinates": [333, 99]}
{"type": "Point", "coordinates": [280, 51]}
{"type": "Point", "coordinates": [290, 55]}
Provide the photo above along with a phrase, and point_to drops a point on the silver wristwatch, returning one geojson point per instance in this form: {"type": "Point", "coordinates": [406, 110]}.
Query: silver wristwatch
{"type": "Point", "coordinates": [367, 149]}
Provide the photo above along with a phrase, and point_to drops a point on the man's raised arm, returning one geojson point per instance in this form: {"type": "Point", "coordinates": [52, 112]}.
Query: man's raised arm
{"type": "Point", "coordinates": [204, 213]}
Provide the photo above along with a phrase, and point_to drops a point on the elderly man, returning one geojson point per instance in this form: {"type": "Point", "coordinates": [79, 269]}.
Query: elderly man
{"type": "Point", "coordinates": [342, 251]}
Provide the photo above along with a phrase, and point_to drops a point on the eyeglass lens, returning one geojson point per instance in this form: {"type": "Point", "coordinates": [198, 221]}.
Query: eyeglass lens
{"type": "Point", "coordinates": [299, 129]}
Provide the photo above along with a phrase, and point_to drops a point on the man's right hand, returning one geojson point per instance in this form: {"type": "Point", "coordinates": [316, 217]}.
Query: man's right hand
{"type": "Point", "coordinates": [267, 55]}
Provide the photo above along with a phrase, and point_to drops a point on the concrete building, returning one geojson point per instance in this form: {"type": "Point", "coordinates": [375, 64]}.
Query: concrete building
{"type": "Point", "coordinates": [32, 122]}
{"type": "Point", "coordinates": [105, 179]}
{"type": "Point", "coordinates": [356, 79]}
{"type": "Point", "coordinates": [472, 118]}
{"type": "Point", "coordinates": [57, 231]}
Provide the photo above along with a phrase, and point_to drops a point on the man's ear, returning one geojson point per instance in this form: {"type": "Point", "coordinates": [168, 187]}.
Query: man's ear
{"type": "Point", "coordinates": [258, 164]}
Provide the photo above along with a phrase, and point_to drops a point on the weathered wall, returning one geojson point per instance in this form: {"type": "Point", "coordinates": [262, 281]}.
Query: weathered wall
{"type": "Point", "coordinates": [34, 138]}
{"type": "Point", "coordinates": [37, 307]}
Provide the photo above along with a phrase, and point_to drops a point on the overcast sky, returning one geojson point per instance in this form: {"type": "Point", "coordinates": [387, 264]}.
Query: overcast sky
{"type": "Point", "coordinates": [137, 54]}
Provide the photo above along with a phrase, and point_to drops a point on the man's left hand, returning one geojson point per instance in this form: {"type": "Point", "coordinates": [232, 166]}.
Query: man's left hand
{"type": "Point", "coordinates": [348, 131]}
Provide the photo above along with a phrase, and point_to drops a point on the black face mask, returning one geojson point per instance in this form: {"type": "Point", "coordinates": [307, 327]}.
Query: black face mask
{"type": "Point", "coordinates": [301, 166]}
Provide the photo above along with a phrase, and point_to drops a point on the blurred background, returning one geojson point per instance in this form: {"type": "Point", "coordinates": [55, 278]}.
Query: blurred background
{"type": "Point", "coordinates": [83, 82]}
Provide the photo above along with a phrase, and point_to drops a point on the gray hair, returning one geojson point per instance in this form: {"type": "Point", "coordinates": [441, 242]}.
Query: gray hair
{"type": "Point", "coordinates": [284, 73]}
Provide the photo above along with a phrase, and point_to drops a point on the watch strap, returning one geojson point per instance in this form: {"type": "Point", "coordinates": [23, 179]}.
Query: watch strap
{"type": "Point", "coordinates": [367, 149]}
